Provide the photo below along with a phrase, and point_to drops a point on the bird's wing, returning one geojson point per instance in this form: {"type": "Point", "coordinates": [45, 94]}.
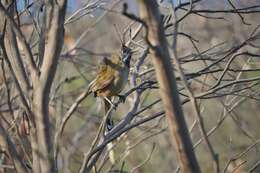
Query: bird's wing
{"type": "Point", "coordinates": [105, 76]}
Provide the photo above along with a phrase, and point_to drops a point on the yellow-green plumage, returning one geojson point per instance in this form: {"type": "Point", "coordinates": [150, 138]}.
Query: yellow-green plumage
{"type": "Point", "coordinates": [111, 78]}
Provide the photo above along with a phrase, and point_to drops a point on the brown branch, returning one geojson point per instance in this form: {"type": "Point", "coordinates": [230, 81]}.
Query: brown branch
{"type": "Point", "coordinates": [238, 13]}
{"type": "Point", "coordinates": [193, 100]}
{"type": "Point", "coordinates": [7, 144]}
{"type": "Point", "coordinates": [55, 14]}
{"type": "Point", "coordinates": [168, 89]}
{"type": "Point", "coordinates": [11, 47]}
{"type": "Point", "coordinates": [241, 154]}
{"type": "Point", "coordinates": [14, 28]}
{"type": "Point", "coordinates": [24, 102]}
{"type": "Point", "coordinates": [245, 10]}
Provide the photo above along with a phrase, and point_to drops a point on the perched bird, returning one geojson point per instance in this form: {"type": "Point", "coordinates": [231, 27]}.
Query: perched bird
{"type": "Point", "coordinates": [112, 77]}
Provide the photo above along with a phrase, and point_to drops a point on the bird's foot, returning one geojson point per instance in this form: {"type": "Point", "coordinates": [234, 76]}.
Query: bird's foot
{"type": "Point", "coordinates": [114, 105]}
{"type": "Point", "coordinates": [122, 98]}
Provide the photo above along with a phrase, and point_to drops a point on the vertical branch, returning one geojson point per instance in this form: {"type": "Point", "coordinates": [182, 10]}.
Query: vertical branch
{"type": "Point", "coordinates": [55, 14]}
{"type": "Point", "coordinates": [17, 67]}
{"type": "Point", "coordinates": [7, 144]}
{"type": "Point", "coordinates": [168, 89]}
{"type": "Point", "coordinates": [12, 47]}
{"type": "Point", "coordinates": [193, 101]}
{"type": "Point", "coordinates": [7, 141]}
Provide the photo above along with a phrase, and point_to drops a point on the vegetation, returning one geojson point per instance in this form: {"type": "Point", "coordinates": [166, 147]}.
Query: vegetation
{"type": "Point", "coordinates": [191, 101]}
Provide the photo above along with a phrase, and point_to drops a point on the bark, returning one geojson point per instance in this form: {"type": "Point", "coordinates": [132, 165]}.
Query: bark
{"type": "Point", "coordinates": [35, 85]}
{"type": "Point", "coordinates": [168, 89]}
{"type": "Point", "coordinates": [55, 14]}
{"type": "Point", "coordinates": [8, 145]}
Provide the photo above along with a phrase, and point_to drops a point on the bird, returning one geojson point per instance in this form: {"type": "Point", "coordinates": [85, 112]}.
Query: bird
{"type": "Point", "coordinates": [111, 78]}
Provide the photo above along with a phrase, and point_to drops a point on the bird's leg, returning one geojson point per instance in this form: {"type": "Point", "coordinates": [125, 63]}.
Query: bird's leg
{"type": "Point", "coordinates": [109, 121]}
{"type": "Point", "coordinates": [114, 103]}
{"type": "Point", "coordinates": [110, 102]}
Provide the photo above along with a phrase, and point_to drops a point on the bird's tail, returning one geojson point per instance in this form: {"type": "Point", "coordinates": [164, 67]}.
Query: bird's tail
{"type": "Point", "coordinates": [109, 121]}
{"type": "Point", "coordinates": [109, 126]}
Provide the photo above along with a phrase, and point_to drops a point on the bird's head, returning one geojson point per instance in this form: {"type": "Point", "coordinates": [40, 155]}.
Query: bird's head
{"type": "Point", "coordinates": [126, 55]}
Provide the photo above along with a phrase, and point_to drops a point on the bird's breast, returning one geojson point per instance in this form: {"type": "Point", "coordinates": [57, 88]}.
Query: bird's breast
{"type": "Point", "coordinates": [120, 80]}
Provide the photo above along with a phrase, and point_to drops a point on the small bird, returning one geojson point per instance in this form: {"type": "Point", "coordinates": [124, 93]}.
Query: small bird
{"type": "Point", "coordinates": [112, 77]}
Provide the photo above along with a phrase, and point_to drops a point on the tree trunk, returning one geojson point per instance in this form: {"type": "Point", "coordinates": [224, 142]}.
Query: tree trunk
{"type": "Point", "coordinates": [168, 89]}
